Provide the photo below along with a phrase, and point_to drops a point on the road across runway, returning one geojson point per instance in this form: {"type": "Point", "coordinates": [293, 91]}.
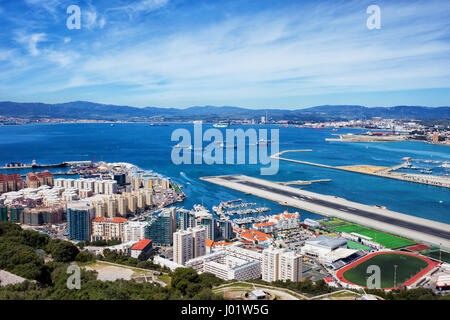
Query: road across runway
{"type": "Point", "coordinates": [378, 218]}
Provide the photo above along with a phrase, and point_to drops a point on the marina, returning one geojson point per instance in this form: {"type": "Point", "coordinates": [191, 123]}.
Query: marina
{"type": "Point", "coordinates": [238, 208]}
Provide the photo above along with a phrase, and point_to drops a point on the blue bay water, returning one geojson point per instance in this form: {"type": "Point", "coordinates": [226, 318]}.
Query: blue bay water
{"type": "Point", "coordinates": [149, 147]}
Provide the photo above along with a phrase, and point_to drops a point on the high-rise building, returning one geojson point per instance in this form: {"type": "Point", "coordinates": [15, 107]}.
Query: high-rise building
{"type": "Point", "coordinates": [270, 264]}
{"type": "Point", "coordinates": [134, 231]}
{"type": "Point", "coordinates": [111, 207]}
{"type": "Point", "coordinates": [189, 244]}
{"type": "Point", "coordinates": [122, 206]}
{"type": "Point", "coordinates": [160, 228]}
{"type": "Point", "coordinates": [149, 202]}
{"type": "Point", "coordinates": [182, 246]}
{"type": "Point", "coordinates": [132, 202]}
{"type": "Point", "coordinates": [79, 216]}
{"type": "Point", "coordinates": [210, 224]}
{"type": "Point", "coordinates": [280, 264]}
{"type": "Point", "coordinates": [100, 209]}
{"type": "Point", "coordinates": [186, 219]}
{"type": "Point", "coordinates": [225, 230]}
{"type": "Point", "coordinates": [290, 267]}
{"type": "Point", "coordinates": [199, 236]}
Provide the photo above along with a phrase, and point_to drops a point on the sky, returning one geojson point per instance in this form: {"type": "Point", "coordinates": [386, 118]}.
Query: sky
{"type": "Point", "coordinates": [249, 53]}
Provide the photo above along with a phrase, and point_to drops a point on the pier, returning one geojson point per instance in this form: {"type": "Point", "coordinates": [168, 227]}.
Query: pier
{"type": "Point", "coordinates": [385, 172]}
{"type": "Point", "coordinates": [377, 217]}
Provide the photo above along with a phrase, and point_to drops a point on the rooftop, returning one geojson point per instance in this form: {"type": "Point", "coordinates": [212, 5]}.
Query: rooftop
{"type": "Point", "coordinates": [141, 245]}
{"type": "Point", "coordinates": [328, 242]}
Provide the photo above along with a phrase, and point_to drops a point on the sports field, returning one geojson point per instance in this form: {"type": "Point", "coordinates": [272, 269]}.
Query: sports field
{"type": "Point", "coordinates": [408, 266]}
{"type": "Point", "coordinates": [387, 240]}
{"type": "Point", "coordinates": [357, 246]}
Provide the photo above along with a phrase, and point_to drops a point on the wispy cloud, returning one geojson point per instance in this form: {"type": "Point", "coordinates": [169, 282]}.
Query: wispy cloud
{"type": "Point", "coordinates": [30, 41]}
{"type": "Point", "coordinates": [50, 6]}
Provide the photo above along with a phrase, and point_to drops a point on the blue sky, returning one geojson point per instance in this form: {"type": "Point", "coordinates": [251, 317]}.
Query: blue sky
{"type": "Point", "coordinates": [248, 53]}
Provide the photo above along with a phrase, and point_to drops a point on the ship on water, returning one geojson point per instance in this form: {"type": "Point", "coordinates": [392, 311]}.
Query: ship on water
{"type": "Point", "coordinates": [220, 125]}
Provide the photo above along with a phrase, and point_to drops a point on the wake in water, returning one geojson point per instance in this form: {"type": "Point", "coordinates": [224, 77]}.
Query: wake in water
{"type": "Point", "coordinates": [185, 177]}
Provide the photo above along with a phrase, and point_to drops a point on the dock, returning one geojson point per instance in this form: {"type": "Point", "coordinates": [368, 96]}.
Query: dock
{"type": "Point", "coordinates": [384, 172]}
{"type": "Point", "coordinates": [376, 217]}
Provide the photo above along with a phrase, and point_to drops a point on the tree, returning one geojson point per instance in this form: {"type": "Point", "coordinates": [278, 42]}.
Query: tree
{"type": "Point", "coordinates": [84, 257]}
{"type": "Point", "coordinates": [63, 251]}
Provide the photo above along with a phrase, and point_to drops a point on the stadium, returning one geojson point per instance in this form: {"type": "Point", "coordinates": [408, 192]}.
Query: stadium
{"type": "Point", "coordinates": [398, 269]}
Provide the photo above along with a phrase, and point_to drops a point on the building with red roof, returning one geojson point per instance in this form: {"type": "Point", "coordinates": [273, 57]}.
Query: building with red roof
{"type": "Point", "coordinates": [11, 182]}
{"type": "Point", "coordinates": [266, 227]}
{"type": "Point", "coordinates": [143, 246]}
{"type": "Point", "coordinates": [256, 237]}
{"type": "Point", "coordinates": [37, 179]}
{"type": "Point", "coordinates": [104, 228]}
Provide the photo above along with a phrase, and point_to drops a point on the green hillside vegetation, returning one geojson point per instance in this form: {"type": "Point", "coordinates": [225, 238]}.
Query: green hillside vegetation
{"type": "Point", "coordinates": [18, 255]}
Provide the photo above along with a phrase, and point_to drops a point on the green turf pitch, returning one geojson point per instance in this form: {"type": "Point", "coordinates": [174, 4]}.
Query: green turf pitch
{"type": "Point", "coordinates": [387, 240]}
{"type": "Point", "coordinates": [407, 267]}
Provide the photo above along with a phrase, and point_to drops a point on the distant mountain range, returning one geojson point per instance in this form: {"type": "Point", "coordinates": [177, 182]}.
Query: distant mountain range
{"type": "Point", "coordinates": [95, 111]}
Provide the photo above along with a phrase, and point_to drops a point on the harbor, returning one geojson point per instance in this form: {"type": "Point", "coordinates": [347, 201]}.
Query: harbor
{"type": "Point", "coordinates": [241, 213]}
{"type": "Point", "coordinates": [376, 217]}
{"type": "Point", "coordinates": [34, 165]}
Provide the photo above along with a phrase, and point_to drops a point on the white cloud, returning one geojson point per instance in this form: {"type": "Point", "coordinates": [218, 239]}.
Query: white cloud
{"type": "Point", "coordinates": [148, 5]}
{"type": "Point", "coordinates": [30, 41]}
{"type": "Point", "coordinates": [48, 5]}
{"type": "Point", "coordinates": [91, 18]}
{"type": "Point", "coordinates": [271, 55]}
{"type": "Point", "coordinates": [139, 6]}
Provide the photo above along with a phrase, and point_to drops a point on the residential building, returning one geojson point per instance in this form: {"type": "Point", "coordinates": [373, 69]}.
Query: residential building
{"type": "Point", "coordinates": [281, 264]}
{"type": "Point", "coordinates": [189, 244]}
{"type": "Point", "coordinates": [79, 216]}
{"type": "Point", "coordinates": [229, 262]}
{"type": "Point", "coordinates": [182, 247]}
{"type": "Point", "coordinates": [11, 182]}
{"type": "Point", "coordinates": [37, 179]}
{"type": "Point", "coordinates": [142, 247]}
{"type": "Point", "coordinates": [134, 231]}
{"type": "Point", "coordinates": [108, 228]}
{"type": "Point", "coordinates": [160, 228]}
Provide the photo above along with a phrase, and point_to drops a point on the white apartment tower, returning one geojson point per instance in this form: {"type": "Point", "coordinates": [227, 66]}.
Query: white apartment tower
{"type": "Point", "coordinates": [290, 267]}
{"type": "Point", "coordinates": [270, 264]}
{"type": "Point", "coordinates": [182, 246]}
{"type": "Point", "coordinates": [189, 244]}
{"type": "Point", "coordinates": [279, 264]}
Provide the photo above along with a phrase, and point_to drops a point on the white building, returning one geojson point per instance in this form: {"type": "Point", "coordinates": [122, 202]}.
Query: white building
{"type": "Point", "coordinates": [182, 246]}
{"type": "Point", "coordinates": [280, 264]}
{"type": "Point", "coordinates": [270, 264]}
{"type": "Point", "coordinates": [323, 245]}
{"type": "Point", "coordinates": [286, 220]}
{"type": "Point", "coordinates": [229, 262]}
{"type": "Point", "coordinates": [134, 231]}
{"type": "Point", "coordinates": [189, 244]}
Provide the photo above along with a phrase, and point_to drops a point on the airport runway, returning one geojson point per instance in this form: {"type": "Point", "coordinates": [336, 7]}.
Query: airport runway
{"type": "Point", "coordinates": [376, 217]}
